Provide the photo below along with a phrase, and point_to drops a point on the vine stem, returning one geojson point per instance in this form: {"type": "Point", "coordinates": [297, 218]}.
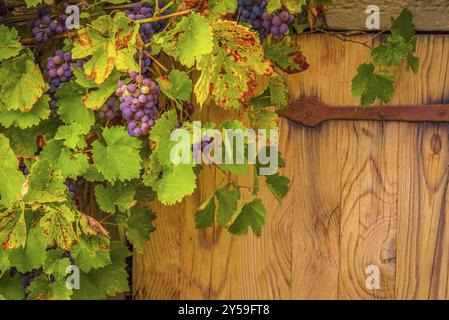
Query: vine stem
{"type": "Point", "coordinates": [156, 61]}
{"type": "Point", "coordinates": [167, 16]}
{"type": "Point", "coordinates": [59, 36]}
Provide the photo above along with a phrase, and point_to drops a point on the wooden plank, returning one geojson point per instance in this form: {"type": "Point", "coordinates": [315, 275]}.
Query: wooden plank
{"type": "Point", "coordinates": [422, 170]}
{"type": "Point", "coordinates": [429, 15]}
{"type": "Point", "coordinates": [156, 271]}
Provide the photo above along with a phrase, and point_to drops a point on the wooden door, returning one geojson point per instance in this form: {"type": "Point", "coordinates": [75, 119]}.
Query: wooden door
{"type": "Point", "coordinates": [362, 193]}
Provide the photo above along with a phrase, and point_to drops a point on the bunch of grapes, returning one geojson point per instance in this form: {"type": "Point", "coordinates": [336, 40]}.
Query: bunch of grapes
{"type": "Point", "coordinates": [277, 24]}
{"type": "Point", "coordinates": [28, 277]}
{"type": "Point", "coordinates": [46, 26]}
{"type": "Point", "coordinates": [146, 30]}
{"type": "Point", "coordinates": [251, 11]}
{"type": "Point", "coordinates": [23, 168]}
{"type": "Point", "coordinates": [109, 109]}
{"type": "Point", "coordinates": [58, 71]}
{"type": "Point", "coordinates": [139, 104]}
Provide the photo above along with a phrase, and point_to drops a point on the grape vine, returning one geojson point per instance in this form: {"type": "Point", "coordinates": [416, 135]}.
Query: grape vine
{"type": "Point", "coordinates": [86, 118]}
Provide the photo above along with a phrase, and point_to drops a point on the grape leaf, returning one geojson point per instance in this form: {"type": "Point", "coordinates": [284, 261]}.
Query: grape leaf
{"type": "Point", "coordinates": [177, 87]}
{"type": "Point", "coordinates": [32, 256]}
{"type": "Point", "coordinates": [9, 42]}
{"type": "Point", "coordinates": [164, 126]}
{"type": "Point", "coordinates": [43, 289]}
{"type": "Point", "coordinates": [70, 106]}
{"type": "Point", "coordinates": [13, 231]}
{"type": "Point", "coordinates": [139, 225]}
{"type": "Point", "coordinates": [253, 214]}
{"type": "Point", "coordinates": [262, 118]}
{"type": "Point", "coordinates": [57, 224]}
{"type": "Point", "coordinates": [183, 177]}
{"type": "Point", "coordinates": [229, 139]}
{"type": "Point", "coordinates": [108, 280]}
{"type": "Point", "coordinates": [81, 79]}
{"type": "Point", "coordinates": [11, 178]}
{"type": "Point", "coordinates": [110, 41]}
{"type": "Point", "coordinates": [278, 186]}
{"type": "Point", "coordinates": [369, 85]}
{"type": "Point", "coordinates": [24, 120]}
{"type": "Point", "coordinates": [24, 142]}
{"type": "Point", "coordinates": [46, 184]}
{"type": "Point", "coordinates": [273, 5]}
{"type": "Point", "coordinates": [118, 158]}
{"type": "Point", "coordinates": [391, 53]}
{"type": "Point", "coordinates": [90, 254]}
{"type": "Point", "coordinates": [205, 215]}
{"type": "Point", "coordinates": [281, 53]}
{"type": "Point", "coordinates": [55, 264]}
{"type": "Point", "coordinates": [95, 99]}
{"type": "Point", "coordinates": [71, 164]}
{"type": "Point", "coordinates": [11, 288]}
{"type": "Point", "coordinates": [223, 6]}
{"type": "Point", "coordinates": [4, 260]}
{"type": "Point", "coordinates": [237, 57]}
{"type": "Point", "coordinates": [21, 83]}
{"type": "Point", "coordinates": [72, 135]}
{"type": "Point", "coordinates": [117, 195]}
{"type": "Point", "coordinates": [188, 41]}
{"type": "Point", "coordinates": [228, 198]}
{"type": "Point", "coordinates": [294, 6]}
{"type": "Point", "coordinates": [279, 92]}
{"type": "Point", "coordinates": [33, 3]}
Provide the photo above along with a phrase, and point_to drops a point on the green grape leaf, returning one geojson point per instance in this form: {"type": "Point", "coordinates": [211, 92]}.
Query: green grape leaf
{"type": "Point", "coordinates": [55, 264]}
{"type": "Point", "coordinates": [4, 260]}
{"type": "Point", "coordinates": [92, 175]}
{"type": "Point", "coordinates": [177, 86]}
{"type": "Point", "coordinates": [228, 72]}
{"type": "Point", "coordinates": [24, 120]}
{"type": "Point", "coordinates": [391, 53]}
{"type": "Point", "coordinates": [273, 5]}
{"type": "Point", "coordinates": [33, 3]}
{"type": "Point", "coordinates": [403, 26]}
{"type": "Point", "coordinates": [228, 198]}
{"type": "Point", "coordinates": [32, 256]}
{"type": "Point", "coordinates": [46, 184]}
{"type": "Point", "coordinates": [95, 99]}
{"type": "Point", "coordinates": [229, 161]}
{"type": "Point", "coordinates": [282, 53]}
{"type": "Point", "coordinates": [70, 105]}
{"type": "Point", "coordinates": [262, 118]}
{"type": "Point", "coordinates": [110, 41]}
{"type": "Point", "coordinates": [71, 164]}
{"type": "Point", "coordinates": [294, 6]}
{"type": "Point", "coordinates": [81, 79]}
{"type": "Point", "coordinates": [23, 141]}
{"type": "Point", "coordinates": [117, 195]}
{"type": "Point", "coordinates": [57, 224]}
{"type": "Point", "coordinates": [11, 288]}
{"type": "Point", "coordinates": [13, 230]}
{"type": "Point", "coordinates": [223, 6]}
{"type": "Point", "coordinates": [43, 289]}
{"type": "Point", "coordinates": [21, 83]}
{"type": "Point", "coordinates": [279, 92]}
{"type": "Point", "coordinates": [371, 86]}
{"type": "Point", "coordinates": [9, 42]}
{"type": "Point", "coordinates": [108, 280]}
{"type": "Point", "coordinates": [253, 214]}
{"type": "Point", "coordinates": [183, 177]}
{"type": "Point", "coordinates": [188, 41]}
{"type": "Point", "coordinates": [118, 158]}
{"type": "Point", "coordinates": [90, 254]}
{"type": "Point", "coordinates": [139, 225]}
{"type": "Point", "coordinates": [205, 215]}
{"type": "Point", "coordinates": [278, 186]}
{"type": "Point", "coordinates": [164, 126]}
{"type": "Point", "coordinates": [10, 176]}
{"type": "Point", "coordinates": [72, 135]}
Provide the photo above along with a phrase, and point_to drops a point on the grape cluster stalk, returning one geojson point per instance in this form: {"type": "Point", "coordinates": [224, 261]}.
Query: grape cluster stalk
{"type": "Point", "coordinates": [139, 103]}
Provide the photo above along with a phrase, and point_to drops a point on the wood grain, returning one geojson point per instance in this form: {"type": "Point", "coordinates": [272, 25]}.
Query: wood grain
{"type": "Point", "coordinates": [362, 193]}
{"type": "Point", "coordinates": [428, 15]}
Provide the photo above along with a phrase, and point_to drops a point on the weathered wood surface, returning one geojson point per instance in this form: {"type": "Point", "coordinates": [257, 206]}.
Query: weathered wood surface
{"type": "Point", "coordinates": [428, 15]}
{"type": "Point", "coordinates": [362, 193]}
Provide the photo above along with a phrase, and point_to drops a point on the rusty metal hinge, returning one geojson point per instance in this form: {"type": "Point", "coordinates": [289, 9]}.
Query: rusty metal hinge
{"type": "Point", "coordinates": [311, 112]}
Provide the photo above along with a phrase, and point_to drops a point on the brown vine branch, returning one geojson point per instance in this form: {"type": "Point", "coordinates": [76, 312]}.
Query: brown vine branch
{"type": "Point", "coordinates": [59, 36]}
{"type": "Point", "coordinates": [156, 61]}
{"type": "Point", "coordinates": [167, 16]}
